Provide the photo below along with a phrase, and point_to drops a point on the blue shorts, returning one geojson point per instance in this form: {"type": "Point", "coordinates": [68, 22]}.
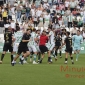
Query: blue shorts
{"type": "Point", "coordinates": [76, 48]}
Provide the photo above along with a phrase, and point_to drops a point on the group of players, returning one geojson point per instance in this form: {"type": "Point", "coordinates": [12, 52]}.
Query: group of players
{"type": "Point", "coordinates": [36, 43]}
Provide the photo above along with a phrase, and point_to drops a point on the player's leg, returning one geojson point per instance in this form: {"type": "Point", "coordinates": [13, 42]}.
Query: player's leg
{"type": "Point", "coordinates": [15, 49]}
{"type": "Point", "coordinates": [56, 52]}
{"type": "Point", "coordinates": [39, 53]}
{"type": "Point", "coordinates": [70, 52]}
{"type": "Point", "coordinates": [77, 55]}
{"type": "Point", "coordinates": [35, 54]}
{"type": "Point", "coordinates": [42, 50]}
{"type": "Point", "coordinates": [25, 55]}
{"type": "Point", "coordinates": [31, 53]}
{"type": "Point", "coordinates": [11, 50]}
{"type": "Point", "coordinates": [77, 51]}
{"type": "Point", "coordinates": [5, 49]}
{"type": "Point", "coordinates": [60, 51]}
{"type": "Point", "coordinates": [17, 55]}
{"type": "Point", "coordinates": [39, 56]}
{"type": "Point", "coordinates": [66, 55]}
{"type": "Point", "coordinates": [49, 57]}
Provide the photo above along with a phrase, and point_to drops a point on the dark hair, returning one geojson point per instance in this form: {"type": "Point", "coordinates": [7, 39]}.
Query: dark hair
{"type": "Point", "coordinates": [68, 33]}
{"type": "Point", "coordinates": [78, 30]}
{"type": "Point", "coordinates": [18, 28]}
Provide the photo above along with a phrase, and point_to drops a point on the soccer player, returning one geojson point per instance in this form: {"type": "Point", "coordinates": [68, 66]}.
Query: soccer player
{"type": "Point", "coordinates": [77, 40]}
{"type": "Point", "coordinates": [32, 45]}
{"type": "Point", "coordinates": [8, 44]}
{"type": "Point", "coordinates": [18, 36]}
{"type": "Point", "coordinates": [51, 40]}
{"type": "Point", "coordinates": [23, 47]}
{"type": "Point", "coordinates": [68, 43]}
{"type": "Point", "coordinates": [42, 46]}
{"type": "Point", "coordinates": [58, 42]}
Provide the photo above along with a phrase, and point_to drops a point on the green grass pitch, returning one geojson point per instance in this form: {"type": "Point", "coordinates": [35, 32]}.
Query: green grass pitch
{"type": "Point", "coordinates": [56, 73]}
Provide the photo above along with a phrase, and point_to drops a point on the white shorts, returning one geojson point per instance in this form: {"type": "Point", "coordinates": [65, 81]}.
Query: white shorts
{"type": "Point", "coordinates": [15, 47]}
{"type": "Point", "coordinates": [32, 48]}
{"type": "Point", "coordinates": [50, 46]}
{"type": "Point", "coordinates": [37, 47]}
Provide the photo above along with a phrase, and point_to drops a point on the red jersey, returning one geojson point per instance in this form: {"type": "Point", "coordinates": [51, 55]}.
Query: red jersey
{"type": "Point", "coordinates": [43, 39]}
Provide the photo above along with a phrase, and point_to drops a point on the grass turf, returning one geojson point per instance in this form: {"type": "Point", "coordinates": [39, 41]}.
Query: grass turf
{"type": "Point", "coordinates": [42, 74]}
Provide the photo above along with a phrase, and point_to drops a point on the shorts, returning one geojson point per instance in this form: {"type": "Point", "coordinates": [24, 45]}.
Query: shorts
{"type": "Point", "coordinates": [43, 49]}
{"type": "Point", "coordinates": [22, 49]}
{"type": "Point", "coordinates": [15, 47]}
{"type": "Point", "coordinates": [50, 46]}
{"type": "Point", "coordinates": [7, 47]}
{"type": "Point", "coordinates": [57, 47]}
{"type": "Point", "coordinates": [69, 50]}
{"type": "Point", "coordinates": [32, 48]}
{"type": "Point", "coordinates": [76, 48]}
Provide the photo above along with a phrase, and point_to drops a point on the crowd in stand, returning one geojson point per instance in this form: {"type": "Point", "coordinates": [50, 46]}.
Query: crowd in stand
{"type": "Point", "coordinates": [41, 14]}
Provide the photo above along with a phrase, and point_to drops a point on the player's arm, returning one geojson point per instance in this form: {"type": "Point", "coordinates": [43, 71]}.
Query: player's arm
{"type": "Point", "coordinates": [81, 40]}
{"type": "Point", "coordinates": [73, 39]}
{"type": "Point", "coordinates": [64, 42]}
{"type": "Point", "coordinates": [24, 40]}
{"type": "Point", "coordinates": [13, 38]}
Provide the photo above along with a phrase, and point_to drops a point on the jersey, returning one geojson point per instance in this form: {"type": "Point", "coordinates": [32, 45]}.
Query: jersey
{"type": "Point", "coordinates": [58, 41]}
{"type": "Point", "coordinates": [33, 36]}
{"type": "Point", "coordinates": [77, 40]}
{"type": "Point", "coordinates": [25, 37]}
{"type": "Point", "coordinates": [51, 39]}
{"type": "Point", "coordinates": [8, 37]}
{"type": "Point", "coordinates": [18, 36]}
{"type": "Point", "coordinates": [68, 41]}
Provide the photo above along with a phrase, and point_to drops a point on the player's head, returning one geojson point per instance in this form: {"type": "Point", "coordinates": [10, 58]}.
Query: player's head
{"type": "Point", "coordinates": [38, 31]}
{"type": "Point", "coordinates": [18, 28]}
{"type": "Point", "coordinates": [78, 32]}
{"type": "Point", "coordinates": [28, 31]}
{"type": "Point", "coordinates": [49, 29]}
{"type": "Point", "coordinates": [67, 33]}
{"type": "Point", "coordinates": [34, 30]}
{"type": "Point", "coordinates": [9, 28]}
{"type": "Point", "coordinates": [59, 34]}
{"type": "Point", "coordinates": [44, 32]}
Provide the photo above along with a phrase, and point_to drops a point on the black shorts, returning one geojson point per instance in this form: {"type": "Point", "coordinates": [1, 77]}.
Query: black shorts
{"type": "Point", "coordinates": [57, 47]}
{"type": "Point", "coordinates": [43, 49]}
{"type": "Point", "coordinates": [7, 47]}
{"type": "Point", "coordinates": [69, 50]}
{"type": "Point", "coordinates": [22, 49]}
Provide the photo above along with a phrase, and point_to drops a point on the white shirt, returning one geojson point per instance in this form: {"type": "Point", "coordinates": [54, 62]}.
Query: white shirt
{"type": "Point", "coordinates": [47, 17]}
{"type": "Point", "coordinates": [38, 13]}
{"type": "Point", "coordinates": [66, 3]}
{"type": "Point", "coordinates": [51, 39]}
{"type": "Point", "coordinates": [33, 12]}
{"type": "Point", "coordinates": [13, 25]}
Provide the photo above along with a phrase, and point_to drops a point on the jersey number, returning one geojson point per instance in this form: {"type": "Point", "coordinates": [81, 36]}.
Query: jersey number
{"type": "Point", "coordinates": [7, 37]}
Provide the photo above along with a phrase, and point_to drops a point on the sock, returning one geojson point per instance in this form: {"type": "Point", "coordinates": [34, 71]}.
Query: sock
{"type": "Point", "coordinates": [77, 55]}
{"type": "Point", "coordinates": [30, 56]}
{"type": "Point", "coordinates": [66, 60]}
{"type": "Point", "coordinates": [56, 53]}
{"type": "Point", "coordinates": [49, 58]}
{"type": "Point", "coordinates": [34, 57]}
{"type": "Point", "coordinates": [60, 53]}
{"type": "Point", "coordinates": [41, 60]}
{"type": "Point", "coordinates": [71, 59]}
{"type": "Point", "coordinates": [39, 56]}
{"type": "Point", "coordinates": [26, 59]}
{"type": "Point", "coordinates": [20, 58]}
{"type": "Point", "coordinates": [14, 55]}
{"type": "Point", "coordinates": [2, 56]}
{"type": "Point", "coordinates": [11, 58]}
